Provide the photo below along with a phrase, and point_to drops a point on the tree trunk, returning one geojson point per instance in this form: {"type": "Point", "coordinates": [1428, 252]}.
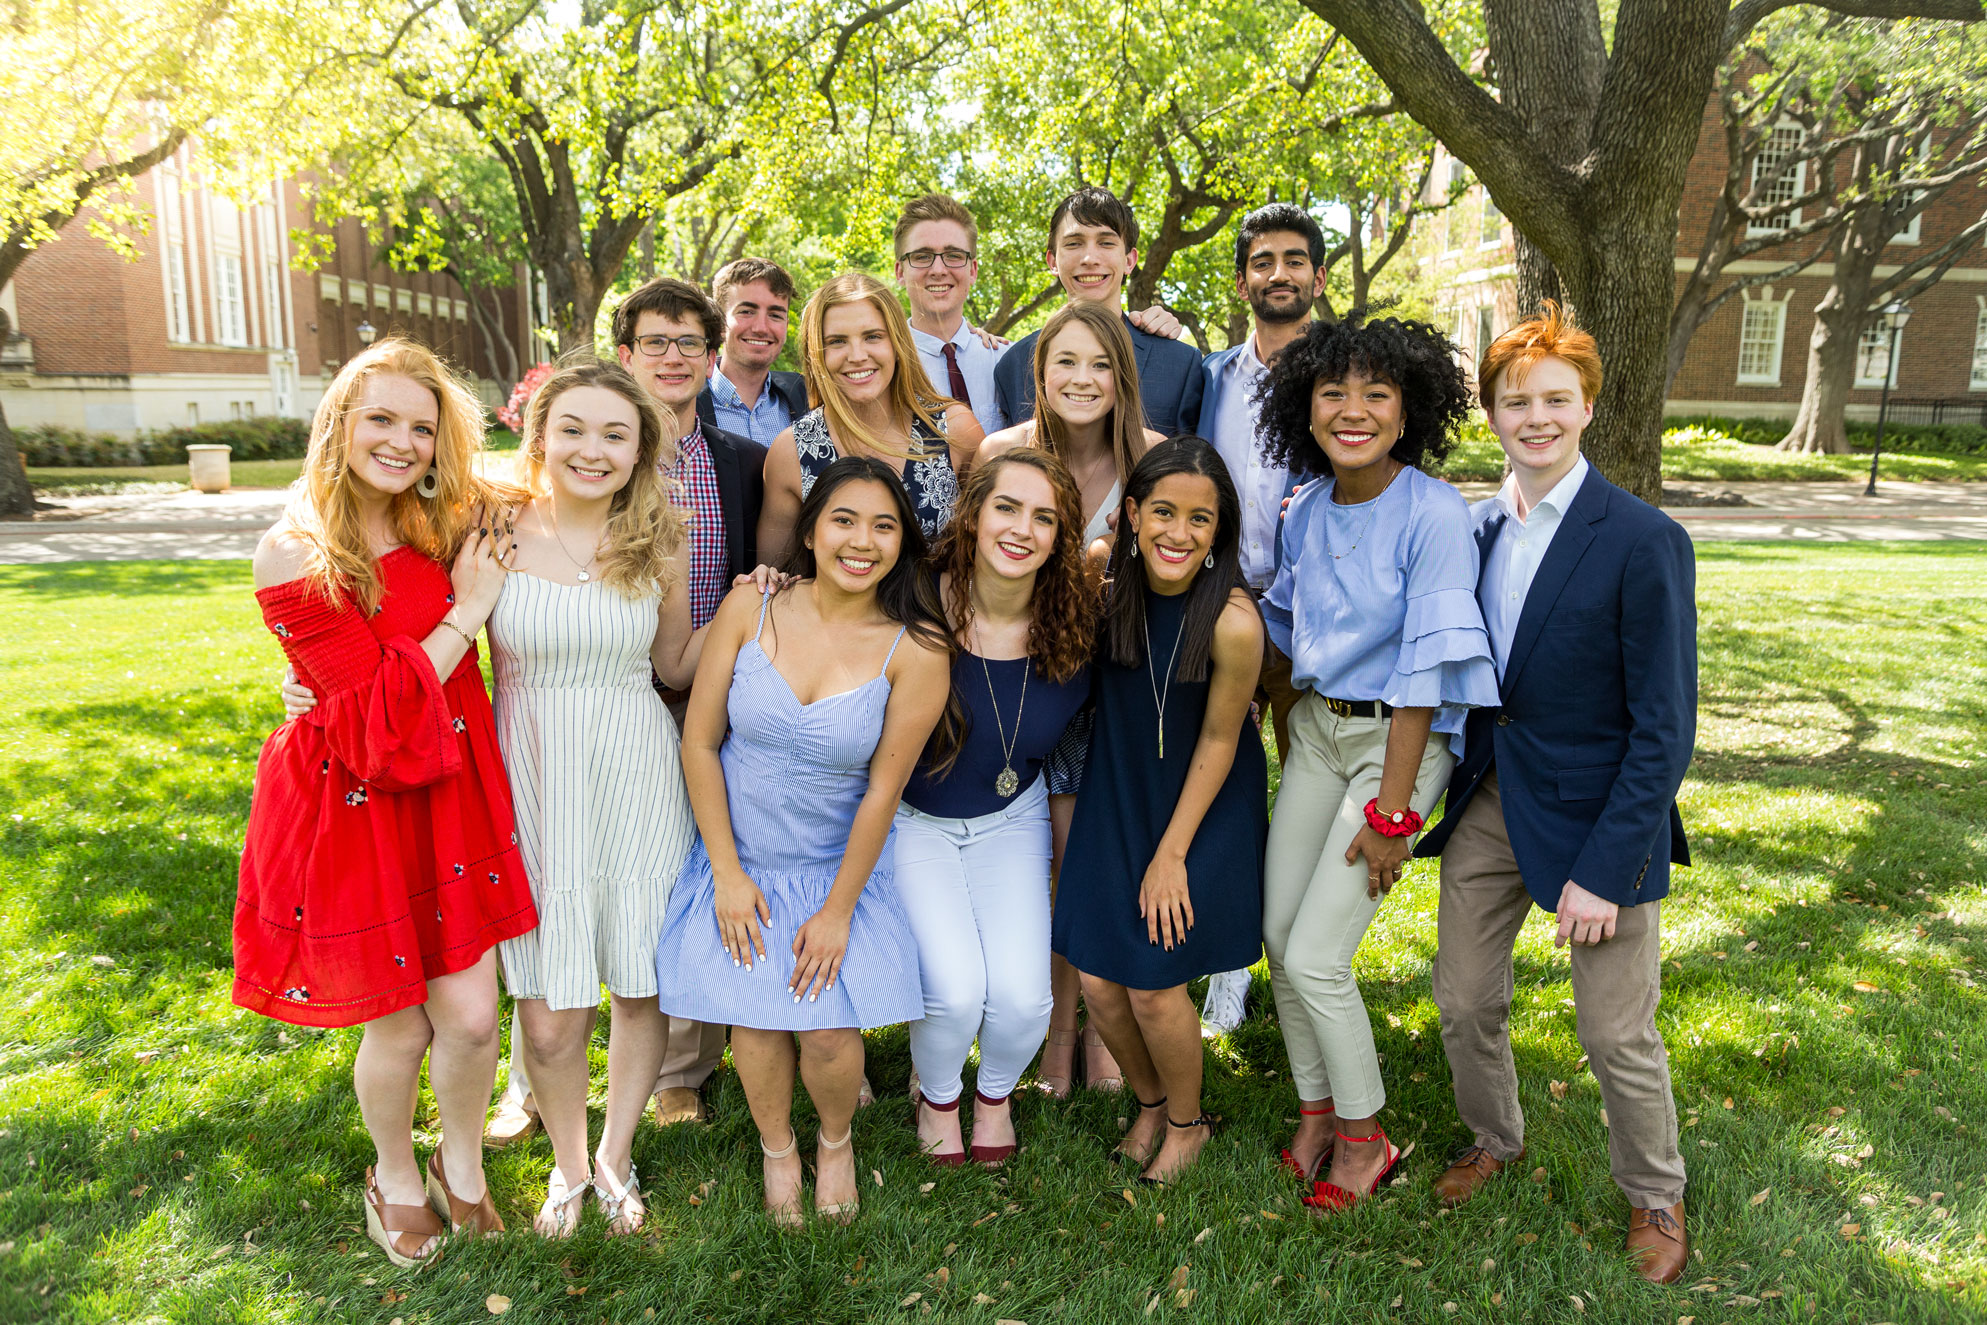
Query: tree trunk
{"type": "Point", "coordinates": [496, 338]}
{"type": "Point", "coordinates": [1840, 318]}
{"type": "Point", "coordinates": [1625, 305]}
{"type": "Point", "coordinates": [16, 496]}
{"type": "Point", "coordinates": [1549, 62]}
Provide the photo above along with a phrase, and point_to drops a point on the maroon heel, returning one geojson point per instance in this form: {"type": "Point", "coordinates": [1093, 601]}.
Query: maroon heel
{"type": "Point", "coordinates": [991, 1156]}
{"type": "Point", "coordinates": [947, 1159]}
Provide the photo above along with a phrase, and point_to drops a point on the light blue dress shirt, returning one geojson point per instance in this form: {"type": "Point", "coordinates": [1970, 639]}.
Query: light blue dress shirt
{"type": "Point", "coordinates": [1259, 484]}
{"type": "Point", "coordinates": [1515, 555]}
{"type": "Point", "coordinates": [976, 365]}
{"type": "Point", "coordinates": [761, 422]}
{"type": "Point", "coordinates": [1378, 601]}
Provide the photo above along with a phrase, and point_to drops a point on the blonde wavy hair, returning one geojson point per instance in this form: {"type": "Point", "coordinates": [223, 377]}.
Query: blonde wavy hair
{"type": "Point", "coordinates": [645, 529]}
{"type": "Point", "coordinates": [911, 392]}
{"type": "Point", "coordinates": [325, 511]}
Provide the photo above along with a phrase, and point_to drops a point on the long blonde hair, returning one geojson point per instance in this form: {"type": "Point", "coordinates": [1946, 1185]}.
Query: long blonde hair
{"type": "Point", "coordinates": [325, 512]}
{"type": "Point", "coordinates": [645, 529]}
{"type": "Point", "coordinates": [1127, 427]}
{"type": "Point", "coordinates": [911, 392]}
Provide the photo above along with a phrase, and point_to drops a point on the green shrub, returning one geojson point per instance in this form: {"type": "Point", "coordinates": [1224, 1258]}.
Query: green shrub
{"type": "Point", "coordinates": [1920, 438]}
{"type": "Point", "coordinates": [265, 437]}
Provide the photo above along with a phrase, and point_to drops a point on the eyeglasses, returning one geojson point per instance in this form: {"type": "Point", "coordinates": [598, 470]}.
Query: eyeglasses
{"type": "Point", "coordinates": [924, 257]}
{"type": "Point", "coordinates": [655, 347]}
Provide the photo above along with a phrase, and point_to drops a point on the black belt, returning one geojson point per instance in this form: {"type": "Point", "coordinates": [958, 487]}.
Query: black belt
{"type": "Point", "coordinates": [1358, 708]}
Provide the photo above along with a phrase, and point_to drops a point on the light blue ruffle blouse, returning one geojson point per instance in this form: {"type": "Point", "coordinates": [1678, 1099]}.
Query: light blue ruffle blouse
{"type": "Point", "coordinates": [1378, 600]}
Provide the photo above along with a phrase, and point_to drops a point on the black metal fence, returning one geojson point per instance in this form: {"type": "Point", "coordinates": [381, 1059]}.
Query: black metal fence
{"type": "Point", "coordinates": [1964, 409]}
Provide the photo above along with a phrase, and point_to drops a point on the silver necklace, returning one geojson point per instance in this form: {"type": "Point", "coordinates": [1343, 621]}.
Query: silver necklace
{"type": "Point", "coordinates": [580, 566]}
{"type": "Point", "coordinates": [1008, 782]}
{"type": "Point", "coordinates": [1158, 695]}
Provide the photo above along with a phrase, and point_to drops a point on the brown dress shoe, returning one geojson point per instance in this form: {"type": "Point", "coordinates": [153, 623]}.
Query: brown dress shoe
{"type": "Point", "coordinates": [1657, 1245]}
{"type": "Point", "coordinates": [678, 1104]}
{"type": "Point", "coordinates": [1472, 1167]}
{"type": "Point", "coordinates": [510, 1123]}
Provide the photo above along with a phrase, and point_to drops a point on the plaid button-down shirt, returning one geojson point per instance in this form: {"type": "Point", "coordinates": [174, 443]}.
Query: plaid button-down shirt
{"type": "Point", "coordinates": [696, 479]}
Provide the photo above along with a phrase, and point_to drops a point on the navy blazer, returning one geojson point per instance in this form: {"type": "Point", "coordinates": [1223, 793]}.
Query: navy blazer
{"type": "Point", "coordinates": [1169, 381]}
{"type": "Point", "coordinates": [740, 463]}
{"type": "Point", "coordinates": [1599, 713]}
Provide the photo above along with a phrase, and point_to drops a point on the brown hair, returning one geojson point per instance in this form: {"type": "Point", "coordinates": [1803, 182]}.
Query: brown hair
{"type": "Point", "coordinates": [933, 207]}
{"type": "Point", "coordinates": [911, 393]}
{"type": "Point", "coordinates": [744, 271]}
{"type": "Point", "coordinates": [1065, 601]}
{"type": "Point", "coordinates": [323, 510]}
{"type": "Point", "coordinates": [644, 529]}
{"type": "Point", "coordinates": [679, 301]}
{"type": "Point", "coordinates": [1096, 206]}
{"type": "Point", "coordinates": [1127, 426]}
{"type": "Point", "coordinates": [1549, 334]}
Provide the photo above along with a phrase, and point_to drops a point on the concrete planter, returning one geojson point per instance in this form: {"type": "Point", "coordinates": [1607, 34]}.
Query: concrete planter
{"type": "Point", "coordinates": [207, 466]}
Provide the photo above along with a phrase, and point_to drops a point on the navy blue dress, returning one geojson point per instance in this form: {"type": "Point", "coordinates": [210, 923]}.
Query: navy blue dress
{"type": "Point", "coordinates": [1127, 800]}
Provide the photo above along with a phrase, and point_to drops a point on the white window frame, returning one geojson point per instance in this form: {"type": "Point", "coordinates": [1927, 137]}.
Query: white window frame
{"type": "Point", "coordinates": [272, 276]}
{"type": "Point", "coordinates": [1864, 346]}
{"type": "Point", "coordinates": [1492, 222]}
{"type": "Point", "coordinates": [1777, 310]}
{"type": "Point", "coordinates": [1455, 173]}
{"type": "Point", "coordinates": [1910, 233]}
{"type": "Point", "coordinates": [229, 272]}
{"type": "Point", "coordinates": [1978, 378]}
{"type": "Point", "coordinates": [1486, 329]}
{"type": "Point", "coordinates": [172, 231]}
{"type": "Point", "coordinates": [1767, 161]}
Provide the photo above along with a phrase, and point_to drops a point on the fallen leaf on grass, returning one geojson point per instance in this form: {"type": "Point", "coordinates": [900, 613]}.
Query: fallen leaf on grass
{"type": "Point", "coordinates": [735, 1276]}
{"type": "Point", "coordinates": [1558, 1089]}
{"type": "Point", "coordinates": [496, 1304]}
{"type": "Point", "coordinates": [1527, 1239]}
{"type": "Point", "coordinates": [878, 1175]}
{"type": "Point", "coordinates": [1850, 1230]}
{"type": "Point", "coordinates": [1728, 1101]}
{"type": "Point", "coordinates": [1153, 1305]}
{"type": "Point", "coordinates": [950, 1247]}
{"type": "Point", "coordinates": [911, 1300]}
{"type": "Point", "coordinates": [1578, 1305]}
{"type": "Point", "coordinates": [941, 1276]}
{"type": "Point", "coordinates": [1865, 987]}
{"type": "Point", "coordinates": [1759, 1198]}
{"type": "Point", "coordinates": [1130, 1198]}
{"type": "Point", "coordinates": [1269, 1214]}
{"type": "Point", "coordinates": [925, 1187]}
{"type": "Point", "coordinates": [1178, 1279]}
{"type": "Point", "coordinates": [1487, 1266]}
{"type": "Point", "coordinates": [1497, 1299]}
{"type": "Point", "coordinates": [1203, 1236]}
{"type": "Point", "coordinates": [1184, 1298]}
{"type": "Point", "coordinates": [575, 1290]}
{"type": "Point", "coordinates": [1538, 1175]}
{"type": "Point", "coordinates": [982, 1300]}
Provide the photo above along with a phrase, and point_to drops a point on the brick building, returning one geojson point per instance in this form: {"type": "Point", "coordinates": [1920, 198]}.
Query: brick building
{"type": "Point", "coordinates": [212, 321]}
{"type": "Point", "coordinates": [1749, 358]}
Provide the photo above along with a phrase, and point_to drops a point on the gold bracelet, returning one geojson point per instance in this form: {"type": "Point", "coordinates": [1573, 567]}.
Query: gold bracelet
{"type": "Point", "coordinates": [467, 638]}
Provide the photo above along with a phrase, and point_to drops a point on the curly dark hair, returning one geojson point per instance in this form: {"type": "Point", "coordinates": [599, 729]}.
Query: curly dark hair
{"type": "Point", "coordinates": [1415, 357]}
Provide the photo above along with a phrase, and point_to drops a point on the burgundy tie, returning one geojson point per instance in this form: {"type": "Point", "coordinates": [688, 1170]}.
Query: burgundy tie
{"type": "Point", "coordinates": [955, 377]}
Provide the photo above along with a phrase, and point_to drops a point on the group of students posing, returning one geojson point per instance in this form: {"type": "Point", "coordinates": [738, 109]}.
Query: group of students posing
{"type": "Point", "coordinates": [984, 728]}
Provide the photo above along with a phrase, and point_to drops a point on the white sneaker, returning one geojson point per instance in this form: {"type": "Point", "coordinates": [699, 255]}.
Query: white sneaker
{"type": "Point", "coordinates": [1226, 1003]}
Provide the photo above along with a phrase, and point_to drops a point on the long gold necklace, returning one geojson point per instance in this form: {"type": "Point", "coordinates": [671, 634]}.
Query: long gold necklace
{"type": "Point", "coordinates": [1159, 696]}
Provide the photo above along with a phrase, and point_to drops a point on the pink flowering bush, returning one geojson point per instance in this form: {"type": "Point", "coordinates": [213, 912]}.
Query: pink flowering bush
{"type": "Point", "coordinates": [511, 415]}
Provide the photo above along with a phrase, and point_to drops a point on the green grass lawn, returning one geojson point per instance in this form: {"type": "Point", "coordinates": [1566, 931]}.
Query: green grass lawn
{"type": "Point", "coordinates": [127, 478]}
{"type": "Point", "coordinates": [164, 1157]}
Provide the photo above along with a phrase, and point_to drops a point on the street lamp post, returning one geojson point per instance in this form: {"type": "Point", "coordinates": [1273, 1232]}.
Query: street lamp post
{"type": "Point", "coordinates": [1893, 317]}
{"type": "Point", "coordinates": [366, 332]}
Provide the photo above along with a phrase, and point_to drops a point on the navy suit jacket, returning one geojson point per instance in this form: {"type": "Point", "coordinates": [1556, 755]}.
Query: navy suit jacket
{"type": "Point", "coordinates": [740, 463]}
{"type": "Point", "coordinates": [1599, 712]}
{"type": "Point", "coordinates": [1169, 381]}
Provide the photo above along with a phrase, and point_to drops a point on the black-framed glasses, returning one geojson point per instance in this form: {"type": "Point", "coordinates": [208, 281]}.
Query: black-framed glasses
{"type": "Point", "coordinates": [655, 347]}
{"type": "Point", "coordinates": [922, 258]}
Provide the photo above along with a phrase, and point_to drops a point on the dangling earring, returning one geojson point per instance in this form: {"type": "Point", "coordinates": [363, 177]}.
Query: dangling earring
{"type": "Point", "coordinates": [1134, 545]}
{"type": "Point", "coordinates": [429, 484]}
{"type": "Point", "coordinates": [1209, 563]}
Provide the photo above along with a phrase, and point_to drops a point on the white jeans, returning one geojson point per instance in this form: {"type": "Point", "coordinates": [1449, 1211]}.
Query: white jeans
{"type": "Point", "coordinates": [977, 894]}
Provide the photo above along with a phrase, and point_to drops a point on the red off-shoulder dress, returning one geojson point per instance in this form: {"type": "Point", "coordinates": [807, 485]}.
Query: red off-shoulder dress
{"type": "Point", "coordinates": [380, 850]}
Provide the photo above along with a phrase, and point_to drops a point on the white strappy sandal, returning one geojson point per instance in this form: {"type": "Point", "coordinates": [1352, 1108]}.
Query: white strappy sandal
{"type": "Point", "coordinates": [559, 1217]}
{"type": "Point", "coordinates": [623, 1206]}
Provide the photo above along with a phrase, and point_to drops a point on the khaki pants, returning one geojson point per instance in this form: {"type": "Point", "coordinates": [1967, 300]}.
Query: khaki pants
{"type": "Point", "coordinates": [1315, 908]}
{"type": "Point", "coordinates": [1616, 985]}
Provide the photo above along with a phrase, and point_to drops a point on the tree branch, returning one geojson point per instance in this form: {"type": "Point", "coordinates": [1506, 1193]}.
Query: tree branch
{"type": "Point", "coordinates": [1748, 14]}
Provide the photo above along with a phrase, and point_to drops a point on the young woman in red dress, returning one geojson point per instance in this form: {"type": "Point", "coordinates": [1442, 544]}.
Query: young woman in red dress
{"type": "Point", "coordinates": [381, 866]}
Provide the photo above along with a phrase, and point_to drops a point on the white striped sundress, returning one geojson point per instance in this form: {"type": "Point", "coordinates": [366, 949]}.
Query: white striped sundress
{"type": "Point", "coordinates": [603, 820]}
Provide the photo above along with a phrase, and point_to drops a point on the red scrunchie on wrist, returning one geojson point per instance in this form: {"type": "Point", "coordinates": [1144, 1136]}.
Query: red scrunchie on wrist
{"type": "Point", "coordinates": [1402, 823]}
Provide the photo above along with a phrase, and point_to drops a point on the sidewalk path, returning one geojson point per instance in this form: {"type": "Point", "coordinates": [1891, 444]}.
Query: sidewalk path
{"type": "Point", "coordinates": [167, 525]}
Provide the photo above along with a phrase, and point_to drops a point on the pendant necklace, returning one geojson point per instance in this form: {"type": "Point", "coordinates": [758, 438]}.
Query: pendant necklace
{"type": "Point", "coordinates": [1008, 782]}
{"type": "Point", "coordinates": [580, 566]}
{"type": "Point", "coordinates": [1158, 695]}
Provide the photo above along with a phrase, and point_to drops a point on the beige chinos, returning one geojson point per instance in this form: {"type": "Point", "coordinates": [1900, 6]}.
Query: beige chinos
{"type": "Point", "coordinates": [1616, 984]}
{"type": "Point", "coordinates": [1315, 907]}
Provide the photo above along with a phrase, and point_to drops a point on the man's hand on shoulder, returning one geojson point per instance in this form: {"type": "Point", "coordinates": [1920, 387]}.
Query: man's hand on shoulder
{"type": "Point", "coordinates": [1584, 919]}
{"type": "Point", "coordinates": [1157, 321]}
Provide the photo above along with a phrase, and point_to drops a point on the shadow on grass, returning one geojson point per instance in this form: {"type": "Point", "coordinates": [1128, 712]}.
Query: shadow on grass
{"type": "Point", "coordinates": [130, 578]}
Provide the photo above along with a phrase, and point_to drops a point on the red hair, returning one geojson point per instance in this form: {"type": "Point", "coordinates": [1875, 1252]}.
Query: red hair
{"type": "Point", "coordinates": [1548, 335]}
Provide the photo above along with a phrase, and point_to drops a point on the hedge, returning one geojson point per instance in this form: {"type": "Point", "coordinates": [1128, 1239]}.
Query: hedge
{"type": "Point", "coordinates": [265, 437]}
{"type": "Point", "coordinates": [1921, 438]}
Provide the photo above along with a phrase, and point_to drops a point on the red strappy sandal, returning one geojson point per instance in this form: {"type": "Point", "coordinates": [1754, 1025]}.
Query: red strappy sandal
{"type": "Point", "coordinates": [1324, 1158]}
{"type": "Point", "coordinates": [991, 1156]}
{"type": "Point", "coordinates": [1331, 1196]}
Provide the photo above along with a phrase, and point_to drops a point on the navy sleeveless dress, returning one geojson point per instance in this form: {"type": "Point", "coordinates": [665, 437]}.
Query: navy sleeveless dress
{"type": "Point", "coordinates": [928, 477]}
{"type": "Point", "coordinates": [1122, 811]}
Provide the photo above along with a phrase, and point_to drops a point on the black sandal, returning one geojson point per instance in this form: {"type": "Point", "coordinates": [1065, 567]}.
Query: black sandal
{"type": "Point", "coordinates": [1208, 1120]}
{"type": "Point", "coordinates": [1118, 1151]}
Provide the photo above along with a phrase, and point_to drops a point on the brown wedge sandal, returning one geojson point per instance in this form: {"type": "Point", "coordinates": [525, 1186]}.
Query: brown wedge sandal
{"type": "Point", "coordinates": [401, 1230]}
{"type": "Point", "coordinates": [479, 1217]}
